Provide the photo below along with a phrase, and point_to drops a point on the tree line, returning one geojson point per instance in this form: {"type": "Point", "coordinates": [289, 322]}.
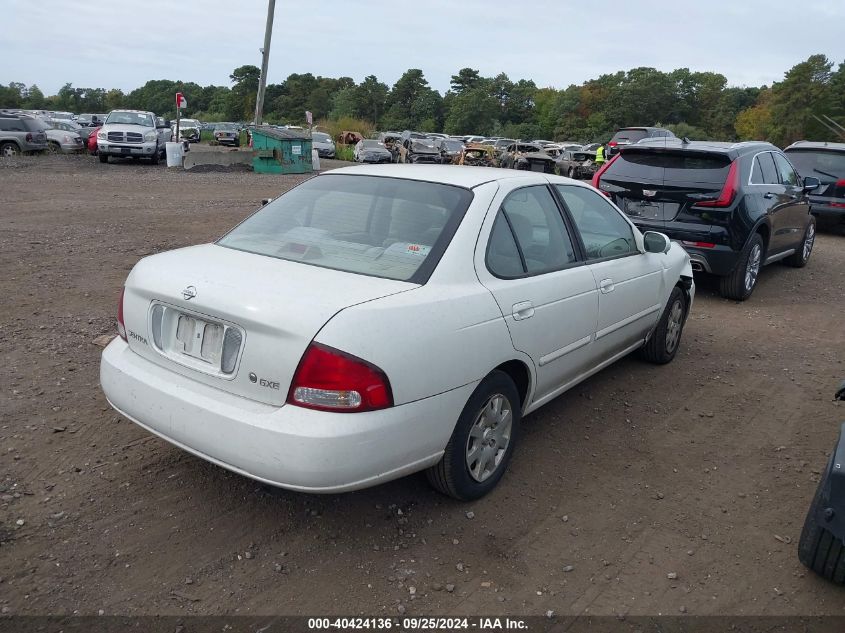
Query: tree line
{"type": "Point", "coordinates": [699, 105]}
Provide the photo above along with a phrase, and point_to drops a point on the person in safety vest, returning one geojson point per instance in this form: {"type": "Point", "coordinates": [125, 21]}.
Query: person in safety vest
{"type": "Point", "coordinates": [600, 155]}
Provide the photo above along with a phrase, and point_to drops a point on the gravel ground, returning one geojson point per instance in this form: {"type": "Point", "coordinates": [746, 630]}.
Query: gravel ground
{"type": "Point", "coordinates": [645, 490]}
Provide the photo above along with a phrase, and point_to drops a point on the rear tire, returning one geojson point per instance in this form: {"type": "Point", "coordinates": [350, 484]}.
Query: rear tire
{"type": "Point", "coordinates": [104, 158]}
{"type": "Point", "coordinates": [740, 283]}
{"type": "Point", "coordinates": [818, 548]}
{"type": "Point", "coordinates": [475, 459]}
{"type": "Point", "coordinates": [53, 147]}
{"type": "Point", "coordinates": [800, 258]}
{"type": "Point", "coordinates": [666, 338]}
{"type": "Point", "coordinates": [7, 150]}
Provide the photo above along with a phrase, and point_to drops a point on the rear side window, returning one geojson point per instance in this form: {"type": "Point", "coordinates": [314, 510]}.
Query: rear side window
{"type": "Point", "coordinates": [767, 166]}
{"type": "Point", "coordinates": [788, 175]}
{"type": "Point", "coordinates": [382, 227]}
{"type": "Point", "coordinates": [530, 218]}
{"type": "Point", "coordinates": [603, 230]}
{"type": "Point", "coordinates": [11, 125]}
{"type": "Point", "coordinates": [827, 166]}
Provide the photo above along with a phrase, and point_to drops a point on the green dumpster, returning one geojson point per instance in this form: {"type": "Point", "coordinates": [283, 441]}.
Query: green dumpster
{"type": "Point", "coordinates": [280, 151]}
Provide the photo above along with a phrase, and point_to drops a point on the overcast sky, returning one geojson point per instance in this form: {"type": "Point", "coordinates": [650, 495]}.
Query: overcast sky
{"type": "Point", "coordinates": [122, 43]}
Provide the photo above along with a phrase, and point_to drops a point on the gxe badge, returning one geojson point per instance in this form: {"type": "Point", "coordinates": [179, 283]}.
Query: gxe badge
{"type": "Point", "coordinates": [189, 293]}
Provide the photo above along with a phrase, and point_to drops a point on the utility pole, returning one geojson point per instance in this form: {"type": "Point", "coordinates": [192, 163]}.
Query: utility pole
{"type": "Point", "coordinates": [265, 57]}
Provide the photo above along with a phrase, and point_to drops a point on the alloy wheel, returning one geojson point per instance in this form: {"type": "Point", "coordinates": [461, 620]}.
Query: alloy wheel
{"type": "Point", "coordinates": [9, 151]}
{"type": "Point", "coordinates": [489, 437]}
{"type": "Point", "coordinates": [809, 240]}
{"type": "Point", "coordinates": [674, 325]}
{"type": "Point", "coordinates": [752, 269]}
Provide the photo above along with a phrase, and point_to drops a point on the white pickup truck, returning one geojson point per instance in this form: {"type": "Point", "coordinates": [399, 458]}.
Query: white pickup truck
{"type": "Point", "coordinates": [133, 134]}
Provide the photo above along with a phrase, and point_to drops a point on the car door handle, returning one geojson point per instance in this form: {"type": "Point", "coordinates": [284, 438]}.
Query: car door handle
{"type": "Point", "coordinates": [606, 285]}
{"type": "Point", "coordinates": [769, 195]}
{"type": "Point", "coordinates": [523, 310]}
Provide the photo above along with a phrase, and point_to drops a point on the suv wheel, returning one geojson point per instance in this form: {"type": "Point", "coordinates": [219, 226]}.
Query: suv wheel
{"type": "Point", "coordinates": [8, 150]}
{"type": "Point", "coordinates": [818, 548]}
{"type": "Point", "coordinates": [104, 158]}
{"type": "Point", "coordinates": [482, 443]}
{"type": "Point", "coordinates": [741, 282]}
{"type": "Point", "coordinates": [802, 255]}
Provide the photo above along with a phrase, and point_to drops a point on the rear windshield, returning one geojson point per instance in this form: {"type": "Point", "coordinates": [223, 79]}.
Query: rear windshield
{"type": "Point", "coordinates": [35, 125]}
{"type": "Point", "coordinates": [669, 166]}
{"type": "Point", "coordinates": [360, 224]}
{"type": "Point", "coordinates": [631, 136]}
{"type": "Point", "coordinates": [825, 165]}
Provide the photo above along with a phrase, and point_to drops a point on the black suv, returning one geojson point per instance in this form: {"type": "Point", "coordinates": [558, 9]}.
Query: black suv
{"type": "Point", "coordinates": [825, 161]}
{"type": "Point", "coordinates": [734, 207]}
{"type": "Point", "coordinates": [631, 135]}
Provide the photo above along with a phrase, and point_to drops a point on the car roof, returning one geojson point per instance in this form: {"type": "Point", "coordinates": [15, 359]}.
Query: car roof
{"type": "Point", "coordinates": [463, 176]}
{"type": "Point", "coordinates": [816, 145]}
{"type": "Point", "coordinates": [719, 147]}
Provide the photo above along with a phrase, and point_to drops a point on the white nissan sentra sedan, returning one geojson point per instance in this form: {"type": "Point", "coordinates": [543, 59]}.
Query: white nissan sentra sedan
{"type": "Point", "coordinates": [377, 321]}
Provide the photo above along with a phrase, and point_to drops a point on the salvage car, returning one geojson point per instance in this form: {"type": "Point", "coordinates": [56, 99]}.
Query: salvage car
{"type": "Point", "coordinates": [528, 157]}
{"type": "Point", "coordinates": [450, 150]}
{"type": "Point", "coordinates": [190, 131]}
{"type": "Point", "coordinates": [735, 207]}
{"type": "Point", "coordinates": [324, 144]}
{"type": "Point", "coordinates": [417, 314]}
{"type": "Point", "coordinates": [825, 161]}
{"type": "Point", "coordinates": [71, 126]}
{"type": "Point", "coordinates": [371, 151]}
{"type": "Point", "coordinates": [576, 164]}
{"type": "Point", "coordinates": [20, 134]}
{"type": "Point", "coordinates": [228, 134]}
{"type": "Point", "coordinates": [392, 142]}
{"type": "Point", "coordinates": [418, 149]}
{"type": "Point", "coordinates": [61, 141]}
{"type": "Point", "coordinates": [478, 156]}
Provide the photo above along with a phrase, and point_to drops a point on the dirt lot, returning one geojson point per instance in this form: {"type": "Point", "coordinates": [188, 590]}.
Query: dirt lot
{"type": "Point", "coordinates": [701, 469]}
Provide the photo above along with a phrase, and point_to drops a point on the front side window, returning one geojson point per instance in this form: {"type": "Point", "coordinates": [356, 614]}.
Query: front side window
{"type": "Point", "coordinates": [603, 230]}
{"type": "Point", "coordinates": [529, 236]}
{"type": "Point", "coordinates": [381, 227]}
{"type": "Point", "coordinates": [788, 175]}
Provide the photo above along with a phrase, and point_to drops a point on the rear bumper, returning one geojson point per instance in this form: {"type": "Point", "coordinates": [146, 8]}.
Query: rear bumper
{"type": "Point", "coordinates": [719, 260]}
{"type": "Point", "coordinates": [288, 446]}
{"type": "Point", "coordinates": [827, 210]}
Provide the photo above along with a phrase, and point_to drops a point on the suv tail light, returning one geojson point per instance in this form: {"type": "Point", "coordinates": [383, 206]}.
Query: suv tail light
{"type": "Point", "coordinates": [839, 192]}
{"type": "Point", "coordinates": [330, 380]}
{"type": "Point", "coordinates": [29, 137]}
{"type": "Point", "coordinates": [729, 190]}
{"type": "Point", "coordinates": [121, 326]}
{"type": "Point", "coordinates": [597, 176]}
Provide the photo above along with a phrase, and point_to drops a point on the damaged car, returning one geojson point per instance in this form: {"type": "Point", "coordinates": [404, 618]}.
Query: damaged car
{"type": "Point", "coordinates": [478, 156]}
{"type": "Point", "coordinates": [450, 150]}
{"type": "Point", "coordinates": [417, 148]}
{"type": "Point", "coordinates": [371, 151]}
{"type": "Point", "coordinates": [528, 157]}
{"type": "Point", "coordinates": [576, 164]}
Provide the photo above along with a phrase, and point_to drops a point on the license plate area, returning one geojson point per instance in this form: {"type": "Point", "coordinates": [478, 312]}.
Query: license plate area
{"type": "Point", "coordinates": [643, 209]}
{"type": "Point", "coordinates": [199, 341]}
{"type": "Point", "coordinates": [125, 150]}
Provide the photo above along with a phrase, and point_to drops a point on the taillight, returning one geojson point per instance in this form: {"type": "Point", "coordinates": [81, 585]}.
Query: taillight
{"type": "Point", "coordinates": [597, 176]}
{"type": "Point", "coordinates": [330, 380]}
{"type": "Point", "coordinates": [839, 192]}
{"type": "Point", "coordinates": [698, 244]}
{"type": "Point", "coordinates": [729, 190]}
{"type": "Point", "coordinates": [613, 143]}
{"type": "Point", "coordinates": [29, 137]}
{"type": "Point", "coordinates": [121, 326]}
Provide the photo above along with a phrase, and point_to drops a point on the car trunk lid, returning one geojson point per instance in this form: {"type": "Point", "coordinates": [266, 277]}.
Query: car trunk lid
{"type": "Point", "coordinates": [656, 185]}
{"type": "Point", "coordinates": [237, 321]}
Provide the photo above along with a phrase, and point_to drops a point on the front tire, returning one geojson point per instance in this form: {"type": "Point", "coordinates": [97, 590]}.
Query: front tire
{"type": "Point", "coordinates": [155, 157]}
{"type": "Point", "coordinates": [740, 283]}
{"type": "Point", "coordinates": [800, 258]}
{"type": "Point", "coordinates": [483, 441]}
{"type": "Point", "coordinates": [666, 338]}
{"type": "Point", "coordinates": [104, 158]}
{"type": "Point", "coordinates": [571, 173]}
{"type": "Point", "coordinates": [818, 548]}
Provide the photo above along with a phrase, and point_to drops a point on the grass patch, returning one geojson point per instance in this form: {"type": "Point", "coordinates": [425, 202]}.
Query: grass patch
{"type": "Point", "coordinates": [344, 152]}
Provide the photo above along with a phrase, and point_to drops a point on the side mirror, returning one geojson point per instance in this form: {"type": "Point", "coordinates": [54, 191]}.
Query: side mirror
{"type": "Point", "coordinates": [655, 242]}
{"type": "Point", "coordinates": [811, 183]}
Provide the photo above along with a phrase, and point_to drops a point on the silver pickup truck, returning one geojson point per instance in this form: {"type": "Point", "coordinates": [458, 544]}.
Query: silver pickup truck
{"type": "Point", "coordinates": [133, 134]}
